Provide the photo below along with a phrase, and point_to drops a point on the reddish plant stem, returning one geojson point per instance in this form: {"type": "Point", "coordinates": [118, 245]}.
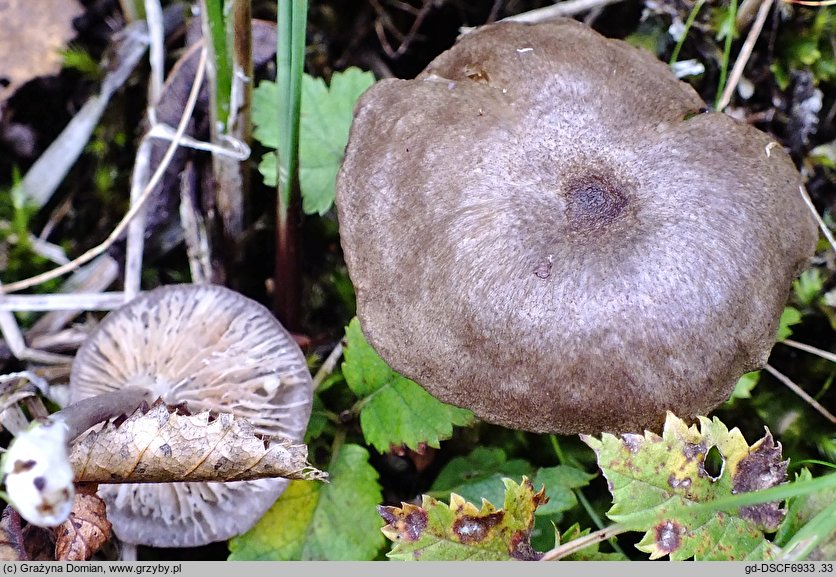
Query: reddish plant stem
{"type": "Point", "coordinates": [286, 277]}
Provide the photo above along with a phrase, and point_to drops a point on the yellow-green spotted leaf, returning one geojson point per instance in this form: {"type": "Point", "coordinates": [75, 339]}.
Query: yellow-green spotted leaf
{"type": "Point", "coordinates": [436, 531]}
{"type": "Point", "coordinates": [655, 480]}
{"type": "Point", "coordinates": [478, 475]}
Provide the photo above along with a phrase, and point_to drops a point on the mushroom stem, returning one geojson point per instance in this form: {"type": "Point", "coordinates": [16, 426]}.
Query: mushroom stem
{"type": "Point", "coordinates": [785, 380]}
{"type": "Point", "coordinates": [82, 415]}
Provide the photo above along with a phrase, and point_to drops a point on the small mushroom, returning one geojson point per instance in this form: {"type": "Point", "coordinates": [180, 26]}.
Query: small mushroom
{"type": "Point", "coordinates": [546, 227]}
{"type": "Point", "coordinates": [213, 349]}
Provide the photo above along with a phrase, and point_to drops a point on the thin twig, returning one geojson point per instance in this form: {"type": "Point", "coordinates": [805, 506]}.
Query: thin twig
{"type": "Point", "coordinates": [583, 542]}
{"type": "Point", "coordinates": [136, 230]}
{"type": "Point", "coordinates": [785, 380]}
{"type": "Point", "coordinates": [123, 224]}
{"type": "Point", "coordinates": [567, 8]}
{"type": "Point", "coordinates": [745, 53]}
{"type": "Point", "coordinates": [195, 234]}
{"type": "Point", "coordinates": [746, 13]}
{"type": "Point", "coordinates": [328, 366]}
{"type": "Point", "coordinates": [44, 176]}
{"type": "Point", "coordinates": [383, 23]}
{"type": "Point", "coordinates": [156, 33]}
{"type": "Point", "coordinates": [17, 344]}
{"type": "Point", "coordinates": [93, 277]}
{"type": "Point", "coordinates": [810, 349]}
{"type": "Point", "coordinates": [63, 302]}
{"type": "Point", "coordinates": [826, 231]}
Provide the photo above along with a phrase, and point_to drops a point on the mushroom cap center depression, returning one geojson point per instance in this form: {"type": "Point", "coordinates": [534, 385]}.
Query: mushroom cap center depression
{"type": "Point", "coordinates": [593, 203]}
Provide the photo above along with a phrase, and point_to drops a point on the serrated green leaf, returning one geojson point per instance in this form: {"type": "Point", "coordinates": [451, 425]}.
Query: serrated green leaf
{"type": "Point", "coordinates": [323, 133]}
{"type": "Point", "coordinates": [324, 122]}
{"type": "Point", "coordinates": [459, 531]}
{"type": "Point", "coordinates": [744, 386]}
{"type": "Point", "coordinates": [395, 410]}
{"type": "Point", "coordinates": [267, 168]}
{"type": "Point", "coordinates": [265, 111]}
{"type": "Point", "coordinates": [789, 317]}
{"type": "Point", "coordinates": [665, 479]}
{"type": "Point", "coordinates": [559, 482]}
{"type": "Point", "coordinates": [808, 286]}
{"type": "Point", "coordinates": [315, 521]}
{"type": "Point", "coordinates": [479, 475]}
{"type": "Point", "coordinates": [318, 420]}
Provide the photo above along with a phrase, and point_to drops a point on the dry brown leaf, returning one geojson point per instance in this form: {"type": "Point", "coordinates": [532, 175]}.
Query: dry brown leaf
{"type": "Point", "coordinates": [32, 35]}
{"type": "Point", "coordinates": [39, 543]}
{"type": "Point", "coordinates": [11, 538]}
{"type": "Point", "coordinates": [161, 445]}
{"type": "Point", "coordinates": [86, 530]}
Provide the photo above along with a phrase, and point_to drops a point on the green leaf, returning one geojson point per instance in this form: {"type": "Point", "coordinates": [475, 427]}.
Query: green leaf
{"type": "Point", "coordinates": [800, 511]}
{"type": "Point", "coordinates": [559, 482]}
{"type": "Point", "coordinates": [479, 475]}
{"type": "Point", "coordinates": [315, 521]}
{"type": "Point", "coordinates": [789, 317]}
{"type": "Point", "coordinates": [808, 287]}
{"type": "Point", "coordinates": [318, 420]}
{"type": "Point", "coordinates": [658, 484]}
{"type": "Point", "coordinates": [325, 120]}
{"type": "Point", "coordinates": [324, 125]}
{"type": "Point", "coordinates": [395, 410]}
{"type": "Point", "coordinates": [744, 386]}
{"type": "Point", "coordinates": [436, 531]}
{"type": "Point", "coordinates": [267, 168]}
{"type": "Point", "coordinates": [265, 111]}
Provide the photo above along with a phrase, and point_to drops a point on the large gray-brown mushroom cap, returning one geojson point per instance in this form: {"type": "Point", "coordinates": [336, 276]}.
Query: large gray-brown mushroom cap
{"type": "Point", "coordinates": [542, 227]}
{"type": "Point", "coordinates": [213, 349]}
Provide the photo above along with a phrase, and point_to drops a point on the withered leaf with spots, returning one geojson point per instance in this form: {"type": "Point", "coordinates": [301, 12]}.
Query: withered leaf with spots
{"type": "Point", "coordinates": [670, 474]}
{"type": "Point", "coordinates": [86, 530]}
{"type": "Point", "coordinates": [436, 531]}
{"type": "Point", "coordinates": [161, 445]}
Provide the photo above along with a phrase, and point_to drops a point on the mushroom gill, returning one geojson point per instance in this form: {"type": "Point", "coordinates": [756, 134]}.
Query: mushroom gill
{"type": "Point", "coordinates": [213, 349]}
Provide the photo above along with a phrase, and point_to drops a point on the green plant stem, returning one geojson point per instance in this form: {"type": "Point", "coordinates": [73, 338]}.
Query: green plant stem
{"type": "Point", "coordinates": [221, 62]}
{"type": "Point", "coordinates": [730, 25]}
{"type": "Point", "coordinates": [590, 510]}
{"type": "Point", "coordinates": [580, 543]}
{"type": "Point", "coordinates": [290, 57]}
{"type": "Point", "coordinates": [339, 441]}
{"type": "Point", "coordinates": [688, 23]}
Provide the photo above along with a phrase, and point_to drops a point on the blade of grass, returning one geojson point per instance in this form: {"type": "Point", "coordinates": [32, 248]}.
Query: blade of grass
{"type": "Point", "coordinates": [688, 23]}
{"type": "Point", "coordinates": [730, 26]}
{"type": "Point", "coordinates": [810, 536]}
{"type": "Point", "coordinates": [220, 71]}
{"type": "Point", "coordinates": [733, 502]}
{"type": "Point", "coordinates": [291, 20]}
